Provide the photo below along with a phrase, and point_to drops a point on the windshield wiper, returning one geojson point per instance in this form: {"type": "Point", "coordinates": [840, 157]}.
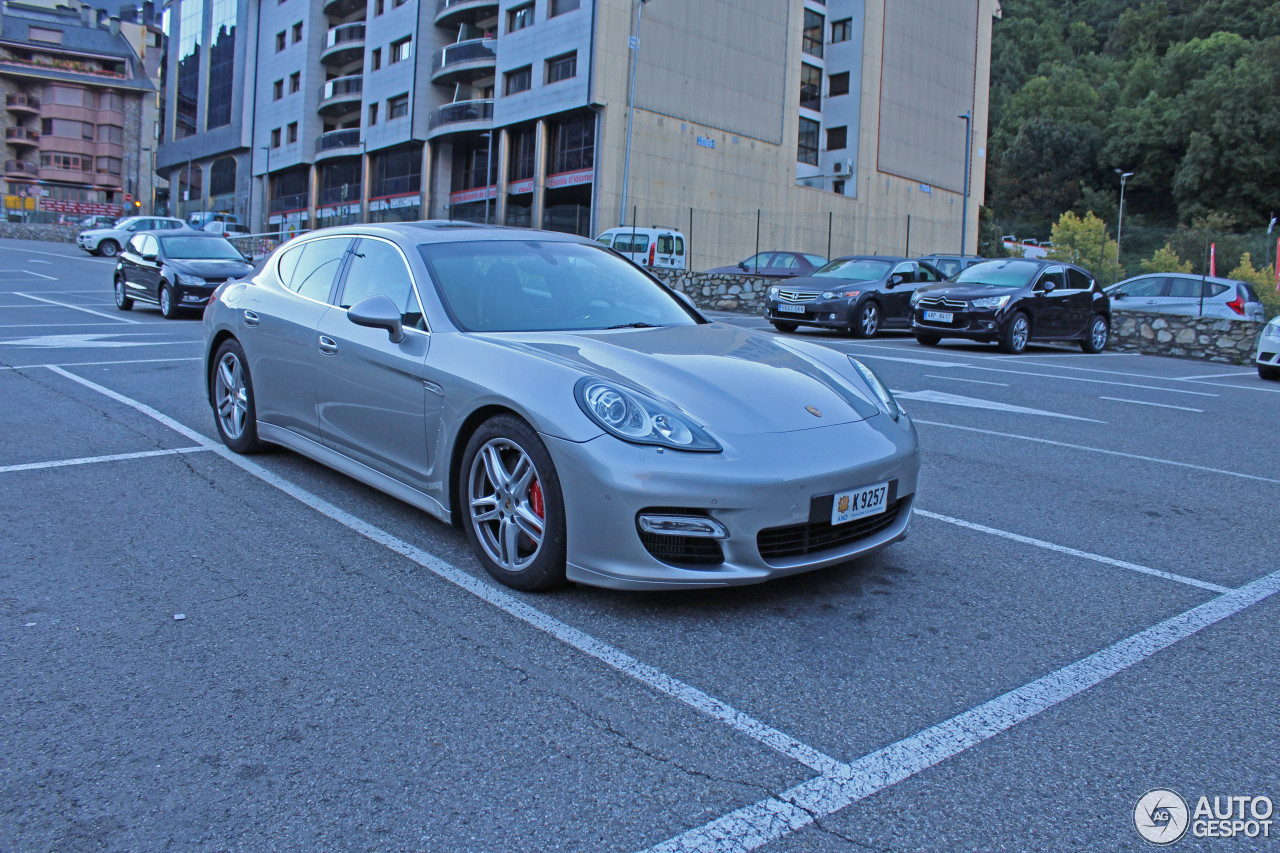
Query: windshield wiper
{"type": "Point", "coordinates": [634, 326]}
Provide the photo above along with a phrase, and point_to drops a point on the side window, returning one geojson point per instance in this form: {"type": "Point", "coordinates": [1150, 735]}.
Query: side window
{"type": "Point", "coordinates": [680, 247]}
{"type": "Point", "coordinates": [378, 269]}
{"type": "Point", "coordinates": [1052, 274]}
{"type": "Point", "coordinates": [150, 245]}
{"type": "Point", "coordinates": [904, 272]}
{"type": "Point", "coordinates": [1153, 286]}
{"type": "Point", "coordinates": [318, 262]}
{"type": "Point", "coordinates": [666, 244]}
{"type": "Point", "coordinates": [1184, 288]}
{"type": "Point", "coordinates": [1077, 280]}
{"type": "Point", "coordinates": [1250, 295]}
{"type": "Point", "coordinates": [606, 239]}
{"type": "Point", "coordinates": [924, 273]}
{"type": "Point", "coordinates": [288, 263]}
{"type": "Point", "coordinates": [784, 261]}
{"type": "Point", "coordinates": [135, 245]}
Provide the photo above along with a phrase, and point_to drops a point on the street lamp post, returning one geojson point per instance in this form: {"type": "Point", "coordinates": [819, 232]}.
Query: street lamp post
{"type": "Point", "coordinates": [266, 190]}
{"type": "Point", "coordinates": [1124, 176]}
{"type": "Point", "coordinates": [631, 109]}
{"type": "Point", "coordinates": [967, 115]}
{"type": "Point", "coordinates": [488, 163]}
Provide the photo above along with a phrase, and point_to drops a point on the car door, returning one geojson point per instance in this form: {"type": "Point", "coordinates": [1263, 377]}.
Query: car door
{"type": "Point", "coordinates": [1145, 293]}
{"type": "Point", "coordinates": [277, 327]}
{"type": "Point", "coordinates": [1079, 299]}
{"type": "Point", "coordinates": [371, 401]}
{"type": "Point", "coordinates": [130, 263]}
{"type": "Point", "coordinates": [1051, 304]}
{"type": "Point", "coordinates": [895, 300]}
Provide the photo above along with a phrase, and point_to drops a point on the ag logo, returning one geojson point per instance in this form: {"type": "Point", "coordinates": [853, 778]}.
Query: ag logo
{"type": "Point", "coordinates": [1161, 816]}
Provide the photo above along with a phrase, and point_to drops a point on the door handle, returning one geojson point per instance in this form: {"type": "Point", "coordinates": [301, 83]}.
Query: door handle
{"type": "Point", "coordinates": [328, 345]}
{"type": "Point", "coordinates": [250, 318]}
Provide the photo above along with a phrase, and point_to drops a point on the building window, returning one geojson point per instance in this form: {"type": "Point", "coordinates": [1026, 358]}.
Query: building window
{"type": "Point", "coordinates": [401, 50]}
{"type": "Point", "coordinates": [373, 114]}
{"type": "Point", "coordinates": [110, 133]}
{"type": "Point", "coordinates": [562, 67]}
{"type": "Point", "coordinates": [222, 58]}
{"type": "Point", "coordinates": [293, 131]}
{"type": "Point", "coordinates": [377, 8]}
{"type": "Point", "coordinates": [519, 17]}
{"type": "Point", "coordinates": [398, 106]}
{"type": "Point", "coordinates": [297, 32]}
{"type": "Point", "coordinates": [812, 43]}
{"type": "Point", "coordinates": [275, 138]}
{"type": "Point", "coordinates": [280, 42]}
{"type": "Point", "coordinates": [66, 162]}
{"type": "Point", "coordinates": [277, 90]}
{"type": "Point", "coordinates": [522, 154]}
{"type": "Point", "coordinates": [841, 30]}
{"type": "Point", "coordinates": [222, 176]}
{"type": "Point", "coordinates": [190, 23]}
{"type": "Point", "coordinates": [810, 86]}
{"type": "Point", "coordinates": [559, 7]}
{"type": "Point", "coordinates": [41, 34]}
{"type": "Point", "coordinates": [375, 60]}
{"type": "Point", "coordinates": [295, 82]}
{"type": "Point", "coordinates": [572, 146]}
{"type": "Point", "coordinates": [396, 4]}
{"type": "Point", "coordinates": [808, 149]}
{"type": "Point", "coordinates": [838, 84]}
{"type": "Point", "coordinates": [517, 81]}
{"type": "Point", "coordinates": [837, 187]}
{"type": "Point", "coordinates": [837, 138]}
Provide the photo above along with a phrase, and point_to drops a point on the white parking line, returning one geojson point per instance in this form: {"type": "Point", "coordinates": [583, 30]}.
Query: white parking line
{"type": "Point", "coordinates": [48, 254]}
{"type": "Point", "coordinates": [90, 460]}
{"type": "Point", "coordinates": [76, 308]}
{"type": "Point", "coordinates": [753, 826]}
{"type": "Point", "coordinates": [97, 363]}
{"type": "Point", "coordinates": [1075, 552]}
{"type": "Point", "coordinates": [1248, 373]}
{"type": "Point", "coordinates": [1101, 450]}
{"type": "Point", "coordinates": [974, 381]}
{"type": "Point", "coordinates": [31, 273]}
{"type": "Point", "coordinates": [1149, 403]}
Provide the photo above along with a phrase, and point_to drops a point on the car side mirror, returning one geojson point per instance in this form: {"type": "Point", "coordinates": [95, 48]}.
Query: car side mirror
{"type": "Point", "coordinates": [1116, 295]}
{"type": "Point", "coordinates": [148, 256]}
{"type": "Point", "coordinates": [742, 265]}
{"type": "Point", "coordinates": [378, 312]}
{"type": "Point", "coordinates": [1049, 285]}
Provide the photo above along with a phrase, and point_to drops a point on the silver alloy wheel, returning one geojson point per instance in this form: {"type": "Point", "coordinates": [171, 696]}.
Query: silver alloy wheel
{"type": "Point", "coordinates": [1019, 336]}
{"type": "Point", "coordinates": [120, 296]}
{"type": "Point", "coordinates": [107, 248]}
{"type": "Point", "coordinates": [870, 319]}
{"type": "Point", "coordinates": [230, 396]}
{"type": "Point", "coordinates": [1099, 333]}
{"type": "Point", "coordinates": [166, 301]}
{"type": "Point", "coordinates": [501, 489]}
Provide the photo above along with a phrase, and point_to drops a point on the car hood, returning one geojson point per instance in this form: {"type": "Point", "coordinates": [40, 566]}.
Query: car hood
{"type": "Point", "coordinates": [821, 283]}
{"type": "Point", "coordinates": [967, 291]}
{"type": "Point", "coordinates": [96, 232]}
{"type": "Point", "coordinates": [733, 380]}
{"type": "Point", "coordinates": [211, 269]}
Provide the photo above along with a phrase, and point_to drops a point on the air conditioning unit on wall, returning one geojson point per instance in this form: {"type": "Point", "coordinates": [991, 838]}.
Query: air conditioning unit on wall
{"type": "Point", "coordinates": [843, 168]}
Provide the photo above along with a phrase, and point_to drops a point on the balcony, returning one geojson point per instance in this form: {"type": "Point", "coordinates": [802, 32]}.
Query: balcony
{"type": "Point", "coordinates": [22, 104]}
{"type": "Point", "coordinates": [464, 61]}
{"type": "Point", "coordinates": [339, 142]}
{"type": "Point", "coordinates": [21, 168]}
{"type": "Point", "coordinates": [21, 136]}
{"type": "Point", "coordinates": [342, 8]}
{"type": "Point", "coordinates": [341, 95]}
{"type": "Point", "coordinates": [460, 116]}
{"type": "Point", "coordinates": [451, 13]}
{"type": "Point", "coordinates": [343, 44]}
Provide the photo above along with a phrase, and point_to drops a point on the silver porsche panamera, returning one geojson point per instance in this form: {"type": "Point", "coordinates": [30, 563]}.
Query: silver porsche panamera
{"type": "Point", "coordinates": [576, 418]}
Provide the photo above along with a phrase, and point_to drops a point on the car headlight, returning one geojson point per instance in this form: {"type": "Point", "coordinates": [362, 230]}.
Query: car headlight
{"type": "Point", "coordinates": [1272, 330]}
{"type": "Point", "coordinates": [773, 293]}
{"type": "Point", "coordinates": [990, 302]}
{"type": "Point", "coordinates": [881, 390]}
{"type": "Point", "coordinates": [915, 297]}
{"type": "Point", "coordinates": [841, 294]}
{"type": "Point", "coordinates": [638, 418]}
{"type": "Point", "coordinates": [191, 280]}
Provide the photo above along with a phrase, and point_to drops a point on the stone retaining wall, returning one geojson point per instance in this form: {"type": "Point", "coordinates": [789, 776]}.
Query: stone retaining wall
{"type": "Point", "coordinates": [720, 292]}
{"type": "Point", "coordinates": [33, 231]}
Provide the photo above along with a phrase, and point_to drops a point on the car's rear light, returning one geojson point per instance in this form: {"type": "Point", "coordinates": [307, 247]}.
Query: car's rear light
{"type": "Point", "coordinates": [653, 248]}
{"type": "Point", "coordinates": [1237, 304]}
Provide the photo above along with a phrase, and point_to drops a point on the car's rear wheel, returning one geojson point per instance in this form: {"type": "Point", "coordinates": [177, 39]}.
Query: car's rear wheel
{"type": "Point", "coordinates": [784, 326]}
{"type": "Point", "coordinates": [1014, 338]}
{"type": "Point", "coordinates": [123, 302]}
{"type": "Point", "coordinates": [513, 510]}
{"type": "Point", "coordinates": [234, 410]}
{"type": "Point", "coordinates": [168, 308]}
{"type": "Point", "coordinates": [1096, 340]}
{"type": "Point", "coordinates": [928, 340]}
{"type": "Point", "coordinates": [1265, 372]}
{"type": "Point", "coordinates": [109, 248]}
{"type": "Point", "coordinates": [867, 322]}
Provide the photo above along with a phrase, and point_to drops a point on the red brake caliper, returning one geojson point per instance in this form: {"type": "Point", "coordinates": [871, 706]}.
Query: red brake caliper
{"type": "Point", "coordinates": [535, 498]}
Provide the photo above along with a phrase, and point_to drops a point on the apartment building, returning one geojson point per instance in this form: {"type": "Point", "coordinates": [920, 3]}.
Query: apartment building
{"type": "Point", "coordinates": [577, 115]}
{"type": "Point", "coordinates": [79, 113]}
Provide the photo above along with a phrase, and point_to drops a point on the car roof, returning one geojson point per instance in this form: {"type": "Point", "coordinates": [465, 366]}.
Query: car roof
{"type": "Point", "coordinates": [445, 231]}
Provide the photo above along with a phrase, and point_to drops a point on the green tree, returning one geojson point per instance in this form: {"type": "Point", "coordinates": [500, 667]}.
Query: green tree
{"type": "Point", "coordinates": [1166, 260]}
{"type": "Point", "coordinates": [1263, 281]}
{"type": "Point", "coordinates": [1084, 241]}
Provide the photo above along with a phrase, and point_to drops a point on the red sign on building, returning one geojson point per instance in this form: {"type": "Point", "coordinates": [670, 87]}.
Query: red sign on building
{"type": "Point", "coordinates": [81, 208]}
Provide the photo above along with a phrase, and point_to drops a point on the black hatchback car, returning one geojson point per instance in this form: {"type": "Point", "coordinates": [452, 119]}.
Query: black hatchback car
{"type": "Point", "coordinates": [1013, 302]}
{"type": "Point", "coordinates": [861, 294]}
{"type": "Point", "coordinates": [176, 270]}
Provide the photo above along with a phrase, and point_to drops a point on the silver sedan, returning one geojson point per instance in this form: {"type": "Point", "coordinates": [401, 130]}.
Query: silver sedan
{"type": "Point", "coordinates": [575, 417]}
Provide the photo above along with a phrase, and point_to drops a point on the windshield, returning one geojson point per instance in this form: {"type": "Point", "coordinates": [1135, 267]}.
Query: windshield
{"type": "Point", "coordinates": [534, 286]}
{"type": "Point", "coordinates": [1012, 273]}
{"type": "Point", "coordinates": [854, 269]}
{"type": "Point", "coordinates": [202, 248]}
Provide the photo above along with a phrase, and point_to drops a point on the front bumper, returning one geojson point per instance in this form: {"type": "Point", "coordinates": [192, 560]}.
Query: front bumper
{"type": "Point", "coordinates": [758, 483]}
{"type": "Point", "coordinates": [827, 313]}
{"type": "Point", "coordinates": [87, 244]}
{"type": "Point", "coordinates": [973, 325]}
{"type": "Point", "coordinates": [193, 295]}
{"type": "Point", "coordinates": [1268, 354]}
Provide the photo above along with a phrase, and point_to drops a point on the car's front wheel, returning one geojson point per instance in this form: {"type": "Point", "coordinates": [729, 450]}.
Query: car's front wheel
{"type": "Point", "coordinates": [1014, 338]}
{"type": "Point", "coordinates": [867, 322]}
{"type": "Point", "coordinates": [1096, 340]}
{"type": "Point", "coordinates": [168, 308]}
{"type": "Point", "coordinates": [108, 248]}
{"type": "Point", "coordinates": [512, 505]}
{"type": "Point", "coordinates": [234, 410]}
{"type": "Point", "coordinates": [784, 326]}
{"type": "Point", "coordinates": [123, 302]}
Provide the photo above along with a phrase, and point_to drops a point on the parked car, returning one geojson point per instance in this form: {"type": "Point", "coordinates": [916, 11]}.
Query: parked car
{"type": "Point", "coordinates": [98, 221]}
{"type": "Point", "coordinates": [176, 269]}
{"type": "Point", "coordinates": [860, 294]}
{"type": "Point", "coordinates": [107, 241]}
{"type": "Point", "coordinates": [775, 264]}
{"type": "Point", "coordinates": [1189, 296]}
{"type": "Point", "coordinates": [949, 265]}
{"type": "Point", "coordinates": [202, 218]}
{"type": "Point", "coordinates": [1012, 302]}
{"type": "Point", "coordinates": [579, 420]}
{"type": "Point", "coordinates": [1268, 357]}
{"type": "Point", "coordinates": [649, 247]}
{"type": "Point", "coordinates": [225, 228]}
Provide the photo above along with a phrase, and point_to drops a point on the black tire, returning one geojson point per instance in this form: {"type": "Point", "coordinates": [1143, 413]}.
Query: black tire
{"type": "Point", "coordinates": [234, 409]}
{"type": "Point", "coordinates": [784, 326]}
{"type": "Point", "coordinates": [867, 321]}
{"type": "Point", "coordinates": [500, 448]}
{"type": "Point", "coordinates": [123, 302]}
{"type": "Point", "coordinates": [108, 248]}
{"type": "Point", "coordinates": [928, 340]}
{"type": "Point", "coordinates": [168, 308]}
{"type": "Point", "coordinates": [1095, 340]}
{"type": "Point", "coordinates": [1016, 333]}
{"type": "Point", "coordinates": [1272, 373]}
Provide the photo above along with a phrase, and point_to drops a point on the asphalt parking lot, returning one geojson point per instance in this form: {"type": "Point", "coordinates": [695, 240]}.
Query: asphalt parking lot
{"type": "Point", "coordinates": [210, 652]}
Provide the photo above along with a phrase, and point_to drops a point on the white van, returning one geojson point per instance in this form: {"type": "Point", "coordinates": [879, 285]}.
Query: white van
{"type": "Point", "coordinates": [648, 247]}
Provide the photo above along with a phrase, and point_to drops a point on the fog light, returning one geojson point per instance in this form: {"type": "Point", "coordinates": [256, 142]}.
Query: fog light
{"type": "Point", "coordinates": [190, 297]}
{"type": "Point", "coordinates": [831, 316]}
{"type": "Point", "coordinates": [683, 525]}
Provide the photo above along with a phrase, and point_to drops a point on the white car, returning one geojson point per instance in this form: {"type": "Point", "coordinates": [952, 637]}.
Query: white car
{"type": "Point", "coordinates": [649, 247]}
{"type": "Point", "coordinates": [108, 241]}
{"type": "Point", "coordinates": [1268, 356]}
